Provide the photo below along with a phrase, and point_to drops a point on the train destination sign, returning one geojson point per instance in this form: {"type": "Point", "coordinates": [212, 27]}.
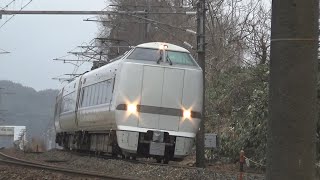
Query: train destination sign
{"type": "Point", "coordinates": [6, 131]}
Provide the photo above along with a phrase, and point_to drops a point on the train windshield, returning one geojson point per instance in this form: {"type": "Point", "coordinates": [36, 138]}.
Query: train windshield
{"type": "Point", "coordinates": [180, 58]}
{"type": "Point", "coordinates": [175, 57]}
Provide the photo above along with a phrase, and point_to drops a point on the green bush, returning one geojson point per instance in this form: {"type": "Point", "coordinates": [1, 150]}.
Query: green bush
{"type": "Point", "coordinates": [237, 102]}
{"type": "Point", "coordinates": [239, 99]}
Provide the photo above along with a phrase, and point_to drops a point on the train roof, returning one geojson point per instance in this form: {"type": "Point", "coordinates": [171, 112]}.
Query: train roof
{"type": "Point", "coordinates": [156, 45]}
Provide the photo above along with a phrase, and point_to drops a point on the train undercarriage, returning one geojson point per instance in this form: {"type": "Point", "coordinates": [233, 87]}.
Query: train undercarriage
{"type": "Point", "coordinates": [154, 144]}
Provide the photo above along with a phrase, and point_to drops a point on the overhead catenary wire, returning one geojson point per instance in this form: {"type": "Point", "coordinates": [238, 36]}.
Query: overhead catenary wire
{"type": "Point", "coordinates": [157, 23]}
{"type": "Point", "coordinates": [153, 6]}
{"type": "Point", "coordinates": [79, 63]}
{"type": "Point", "coordinates": [174, 36]}
{"type": "Point", "coordinates": [162, 23]}
{"type": "Point", "coordinates": [102, 21]}
{"type": "Point", "coordinates": [133, 13]}
{"type": "Point", "coordinates": [2, 51]}
{"type": "Point", "coordinates": [32, 12]}
{"type": "Point", "coordinates": [14, 14]}
{"type": "Point", "coordinates": [8, 4]}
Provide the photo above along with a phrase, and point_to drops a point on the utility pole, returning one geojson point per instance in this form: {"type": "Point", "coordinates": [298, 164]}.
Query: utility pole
{"type": "Point", "coordinates": [293, 94]}
{"type": "Point", "coordinates": [201, 43]}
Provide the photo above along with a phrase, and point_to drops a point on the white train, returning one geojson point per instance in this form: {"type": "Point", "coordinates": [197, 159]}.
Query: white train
{"type": "Point", "coordinates": [147, 102]}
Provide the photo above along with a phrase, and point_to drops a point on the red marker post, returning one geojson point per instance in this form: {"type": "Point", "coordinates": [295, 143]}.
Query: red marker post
{"type": "Point", "coordinates": [242, 161]}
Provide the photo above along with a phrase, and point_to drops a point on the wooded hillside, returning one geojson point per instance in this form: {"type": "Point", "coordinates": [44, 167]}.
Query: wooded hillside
{"type": "Point", "coordinates": [24, 106]}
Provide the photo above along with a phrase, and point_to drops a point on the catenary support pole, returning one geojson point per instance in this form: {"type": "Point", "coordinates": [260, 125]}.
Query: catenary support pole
{"type": "Point", "coordinates": [292, 96]}
{"type": "Point", "coordinates": [201, 16]}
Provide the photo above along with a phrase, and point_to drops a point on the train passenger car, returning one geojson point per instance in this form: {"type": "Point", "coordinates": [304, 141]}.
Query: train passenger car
{"type": "Point", "coordinates": [145, 103]}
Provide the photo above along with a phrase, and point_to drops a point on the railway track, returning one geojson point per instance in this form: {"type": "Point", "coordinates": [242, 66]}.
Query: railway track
{"type": "Point", "coordinates": [19, 162]}
{"type": "Point", "coordinates": [146, 162]}
{"type": "Point", "coordinates": [136, 161]}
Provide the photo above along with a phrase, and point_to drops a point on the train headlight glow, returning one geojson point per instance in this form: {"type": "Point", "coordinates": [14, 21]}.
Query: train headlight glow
{"type": "Point", "coordinates": [132, 108]}
{"type": "Point", "coordinates": [187, 114]}
{"type": "Point", "coordinates": [163, 47]}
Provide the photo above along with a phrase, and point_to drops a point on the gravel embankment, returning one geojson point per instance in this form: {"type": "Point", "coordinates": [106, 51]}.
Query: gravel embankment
{"type": "Point", "coordinates": [129, 169]}
{"type": "Point", "coordinates": [8, 172]}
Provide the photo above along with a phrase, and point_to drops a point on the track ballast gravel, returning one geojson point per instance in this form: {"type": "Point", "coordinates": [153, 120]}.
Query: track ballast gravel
{"type": "Point", "coordinates": [111, 167]}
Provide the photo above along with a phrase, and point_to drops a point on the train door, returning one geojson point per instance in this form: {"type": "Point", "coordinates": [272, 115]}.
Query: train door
{"type": "Point", "coordinates": [171, 98]}
{"type": "Point", "coordinates": [151, 95]}
{"type": "Point", "coordinates": [68, 108]}
{"type": "Point", "coordinates": [57, 112]}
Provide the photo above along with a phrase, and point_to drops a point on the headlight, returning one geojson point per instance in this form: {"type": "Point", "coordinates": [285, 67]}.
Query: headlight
{"type": "Point", "coordinates": [187, 114]}
{"type": "Point", "coordinates": [132, 108]}
{"type": "Point", "coordinates": [163, 47]}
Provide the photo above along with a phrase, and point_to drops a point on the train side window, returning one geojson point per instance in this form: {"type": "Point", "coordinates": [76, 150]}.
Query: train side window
{"type": "Point", "coordinates": [112, 88]}
{"type": "Point", "coordinates": [106, 95]}
{"type": "Point", "coordinates": [102, 94]}
{"type": "Point", "coordinates": [88, 97]}
{"type": "Point", "coordinates": [106, 92]}
{"type": "Point", "coordinates": [95, 94]}
{"type": "Point", "coordinates": [65, 104]}
{"type": "Point", "coordinates": [84, 96]}
{"type": "Point", "coordinates": [109, 90]}
{"type": "Point", "coordinates": [98, 93]}
{"type": "Point", "coordinates": [62, 106]}
{"type": "Point", "coordinates": [91, 95]}
{"type": "Point", "coordinates": [68, 102]}
{"type": "Point", "coordinates": [55, 109]}
{"type": "Point", "coordinates": [73, 101]}
{"type": "Point", "coordinates": [59, 104]}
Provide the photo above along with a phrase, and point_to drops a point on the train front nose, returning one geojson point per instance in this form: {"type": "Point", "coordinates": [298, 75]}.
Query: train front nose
{"type": "Point", "coordinates": [161, 120]}
{"type": "Point", "coordinates": [161, 97]}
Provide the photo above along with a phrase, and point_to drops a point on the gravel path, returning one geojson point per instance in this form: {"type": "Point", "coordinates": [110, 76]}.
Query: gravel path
{"type": "Point", "coordinates": [120, 167]}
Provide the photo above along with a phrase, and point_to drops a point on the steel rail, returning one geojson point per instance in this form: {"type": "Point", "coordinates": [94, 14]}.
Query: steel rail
{"type": "Point", "coordinates": [140, 161]}
{"type": "Point", "coordinates": [24, 163]}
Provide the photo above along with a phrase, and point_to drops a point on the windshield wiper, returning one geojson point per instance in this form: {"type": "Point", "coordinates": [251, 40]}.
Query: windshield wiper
{"type": "Point", "coordinates": [168, 59]}
{"type": "Point", "coordinates": [160, 58]}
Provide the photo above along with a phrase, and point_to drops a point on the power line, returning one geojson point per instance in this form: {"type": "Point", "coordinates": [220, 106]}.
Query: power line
{"type": "Point", "coordinates": [156, 23]}
{"type": "Point", "coordinates": [153, 6]}
{"type": "Point", "coordinates": [4, 51]}
{"type": "Point", "coordinates": [8, 5]}
{"type": "Point", "coordinates": [85, 53]}
{"type": "Point", "coordinates": [108, 46]}
{"type": "Point", "coordinates": [162, 23]}
{"type": "Point", "coordinates": [174, 36]}
{"type": "Point", "coordinates": [72, 60]}
{"type": "Point", "coordinates": [13, 14]}
{"type": "Point", "coordinates": [102, 21]}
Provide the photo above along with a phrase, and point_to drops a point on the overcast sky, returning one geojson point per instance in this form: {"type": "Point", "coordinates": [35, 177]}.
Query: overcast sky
{"type": "Point", "coordinates": [34, 40]}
